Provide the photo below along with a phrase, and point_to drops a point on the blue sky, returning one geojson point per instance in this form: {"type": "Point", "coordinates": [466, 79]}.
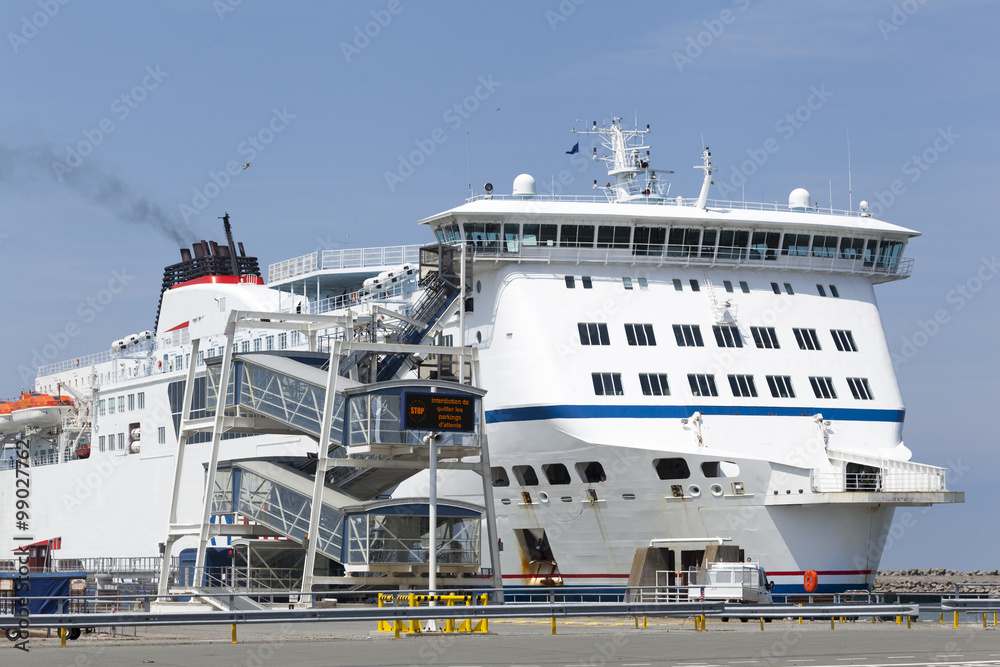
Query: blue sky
{"type": "Point", "coordinates": [143, 105]}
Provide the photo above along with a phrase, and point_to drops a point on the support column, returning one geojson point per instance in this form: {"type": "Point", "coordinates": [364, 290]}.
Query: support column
{"type": "Point", "coordinates": [486, 473]}
{"type": "Point", "coordinates": [322, 463]}
{"type": "Point", "coordinates": [213, 464]}
{"type": "Point", "coordinates": [179, 467]}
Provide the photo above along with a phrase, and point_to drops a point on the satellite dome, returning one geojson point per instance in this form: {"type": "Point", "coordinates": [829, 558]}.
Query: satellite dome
{"type": "Point", "coordinates": [798, 200]}
{"type": "Point", "coordinates": [524, 186]}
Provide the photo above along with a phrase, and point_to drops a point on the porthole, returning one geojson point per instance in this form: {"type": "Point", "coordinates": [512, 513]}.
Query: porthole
{"type": "Point", "coordinates": [479, 286]}
{"type": "Point", "coordinates": [567, 499]}
{"type": "Point", "coordinates": [479, 336]}
{"type": "Point", "coordinates": [505, 501]}
{"type": "Point", "coordinates": [694, 490]}
{"type": "Point", "coordinates": [544, 497]}
{"type": "Point", "coordinates": [716, 490]}
{"type": "Point", "coordinates": [628, 496]}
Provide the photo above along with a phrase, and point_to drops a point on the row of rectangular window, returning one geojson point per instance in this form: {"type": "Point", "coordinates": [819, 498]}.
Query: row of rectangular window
{"type": "Point", "coordinates": [678, 284]}
{"type": "Point", "coordinates": [689, 335]}
{"type": "Point", "coordinates": [736, 244]}
{"type": "Point", "coordinates": [741, 386]}
{"type": "Point", "coordinates": [592, 472]}
{"type": "Point", "coordinates": [161, 438]}
{"type": "Point", "coordinates": [107, 405]}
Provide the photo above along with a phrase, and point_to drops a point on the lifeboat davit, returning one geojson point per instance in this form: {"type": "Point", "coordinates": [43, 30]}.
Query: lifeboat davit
{"type": "Point", "coordinates": [7, 424]}
{"type": "Point", "coordinates": [41, 410]}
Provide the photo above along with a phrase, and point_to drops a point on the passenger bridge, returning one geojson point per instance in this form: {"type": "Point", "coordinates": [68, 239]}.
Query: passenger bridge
{"type": "Point", "coordinates": [333, 504]}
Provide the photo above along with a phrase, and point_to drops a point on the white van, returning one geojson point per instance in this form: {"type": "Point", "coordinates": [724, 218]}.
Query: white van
{"type": "Point", "coordinates": [731, 582]}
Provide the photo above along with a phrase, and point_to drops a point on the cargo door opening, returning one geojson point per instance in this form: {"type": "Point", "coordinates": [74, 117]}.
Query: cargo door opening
{"type": "Point", "coordinates": [536, 554]}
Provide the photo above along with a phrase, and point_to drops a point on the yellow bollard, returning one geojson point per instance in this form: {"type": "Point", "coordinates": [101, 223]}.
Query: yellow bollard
{"type": "Point", "coordinates": [899, 620]}
{"type": "Point", "coordinates": [956, 619]}
{"type": "Point", "coordinates": [62, 637]}
{"type": "Point", "coordinates": [800, 618]}
{"type": "Point", "coordinates": [636, 622]}
{"type": "Point", "coordinates": [703, 625]}
{"type": "Point", "coordinates": [396, 626]}
{"type": "Point", "coordinates": [553, 625]}
{"type": "Point", "coordinates": [941, 620]}
{"type": "Point", "coordinates": [873, 619]}
{"type": "Point", "coordinates": [984, 621]}
{"type": "Point", "coordinates": [994, 619]}
{"type": "Point", "coordinates": [643, 622]}
{"type": "Point", "coordinates": [762, 624]}
{"type": "Point", "coordinates": [909, 619]}
{"type": "Point", "coordinates": [832, 619]}
{"type": "Point", "coordinates": [234, 632]}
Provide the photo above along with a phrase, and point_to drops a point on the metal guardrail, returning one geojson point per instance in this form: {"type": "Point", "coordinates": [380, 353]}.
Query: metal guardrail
{"type": "Point", "coordinates": [816, 611]}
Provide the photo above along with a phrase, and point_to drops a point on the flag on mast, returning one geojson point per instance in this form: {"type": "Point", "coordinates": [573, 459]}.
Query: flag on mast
{"type": "Point", "coordinates": [575, 149]}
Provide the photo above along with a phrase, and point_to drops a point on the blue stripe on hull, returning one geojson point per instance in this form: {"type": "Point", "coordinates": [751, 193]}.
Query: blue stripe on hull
{"type": "Point", "coordinates": [540, 412]}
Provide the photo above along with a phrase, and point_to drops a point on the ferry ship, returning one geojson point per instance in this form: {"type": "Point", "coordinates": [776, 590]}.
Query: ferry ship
{"type": "Point", "coordinates": [662, 374]}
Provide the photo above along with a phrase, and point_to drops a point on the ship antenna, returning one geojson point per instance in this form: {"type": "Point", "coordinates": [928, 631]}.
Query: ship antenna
{"type": "Point", "coordinates": [468, 155]}
{"type": "Point", "coordinates": [232, 244]}
{"type": "Point", "coordinates": [850, 191]}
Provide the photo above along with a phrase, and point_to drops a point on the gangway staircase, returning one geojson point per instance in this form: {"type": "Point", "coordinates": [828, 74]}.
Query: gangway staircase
{"type": "Point", "coordinates": [334, 503]}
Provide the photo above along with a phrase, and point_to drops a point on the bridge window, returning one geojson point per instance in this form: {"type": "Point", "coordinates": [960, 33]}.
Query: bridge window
{"type": "Point", "coordinates": [851, 248]}
{"type": "Point", "coordinates": [485, 235]}
{"type": "Point", "coordinates": [511, 237]}
{"type": "Point", "coordinates": [577, 236]}
{"type": "Point", "coordinates": [703, 385]}
{"type": "Point", "coordinates": [764, 245]}
{"type": "Point", "coordinates": [671, 468]}
{"type": "Point", "coordinates": [728, 284]}
{"type": "Point", "coordinates": [587, 282]}
{"type": "Point", "coordinates": [780, 386]}
{"type": "Point", "coordinates": [712, 469]}
{"type": "Point", "coordinates": [708, 238]}
{"type": "Point", "coordinates": [570, 282]}
{"type": "Point", "coordinates": [678, 285]}
{"type": "Point", "coordinates": [820, 290]}
{"type": "Point", "coordinates": [888, 254]}
{"type": "Point", "coordinates": [649, 240]}
{"type": "Point", "coordinates": [834, 292]}
{"type": "Point", "coordinates": [539, 235]}
{"type": "Point", "coordinates": [796, 245]}
{"type": "Point", "coordinates": [824, 246]}
{"type": "Point", "coordinates": [683, 242]}
{"type": "Point", "coordinates": [870, 246]}
{"type": "Point", "coordinates": [733, 244]}
{"type": "Point", "coordinates": [694, 285]}
{"type": "Point", "coordinates": [613, 237]}
{"type": "Point", "coordinates": [745, 287]}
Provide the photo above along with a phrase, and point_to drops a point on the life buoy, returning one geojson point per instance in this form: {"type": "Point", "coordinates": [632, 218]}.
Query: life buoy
{"type": "Point", "coordinates": [811, 580]}
{"type": "Point", "coordinates": [78, 362]}
{"type": "Point", "coordinates": [354, 297]}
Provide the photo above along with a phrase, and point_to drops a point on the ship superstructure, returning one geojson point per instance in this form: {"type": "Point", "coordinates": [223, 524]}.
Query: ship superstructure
{"type": "Point", "coordinates": [661, 373]}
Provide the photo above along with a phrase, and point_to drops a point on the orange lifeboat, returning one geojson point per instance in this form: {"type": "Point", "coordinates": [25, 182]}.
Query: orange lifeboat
{"type": "Point", "coordinates": [7, 424]}
{"type": "Point", "coordinates": [41, 410]}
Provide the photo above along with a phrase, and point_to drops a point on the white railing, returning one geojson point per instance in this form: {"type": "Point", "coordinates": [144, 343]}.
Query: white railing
{"type": "Point", "coordinates": [348, 258]}
{"type": "Point", "coordinates": [660, 200]}
{"type": "Point", "coordinates": [684, 256]}
{"type": "Point", "coordinates": [883, 475]}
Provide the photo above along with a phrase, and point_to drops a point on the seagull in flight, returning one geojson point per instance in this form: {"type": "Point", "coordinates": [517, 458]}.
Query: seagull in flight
{"type": "Point", "coordinates": [246, 166]}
